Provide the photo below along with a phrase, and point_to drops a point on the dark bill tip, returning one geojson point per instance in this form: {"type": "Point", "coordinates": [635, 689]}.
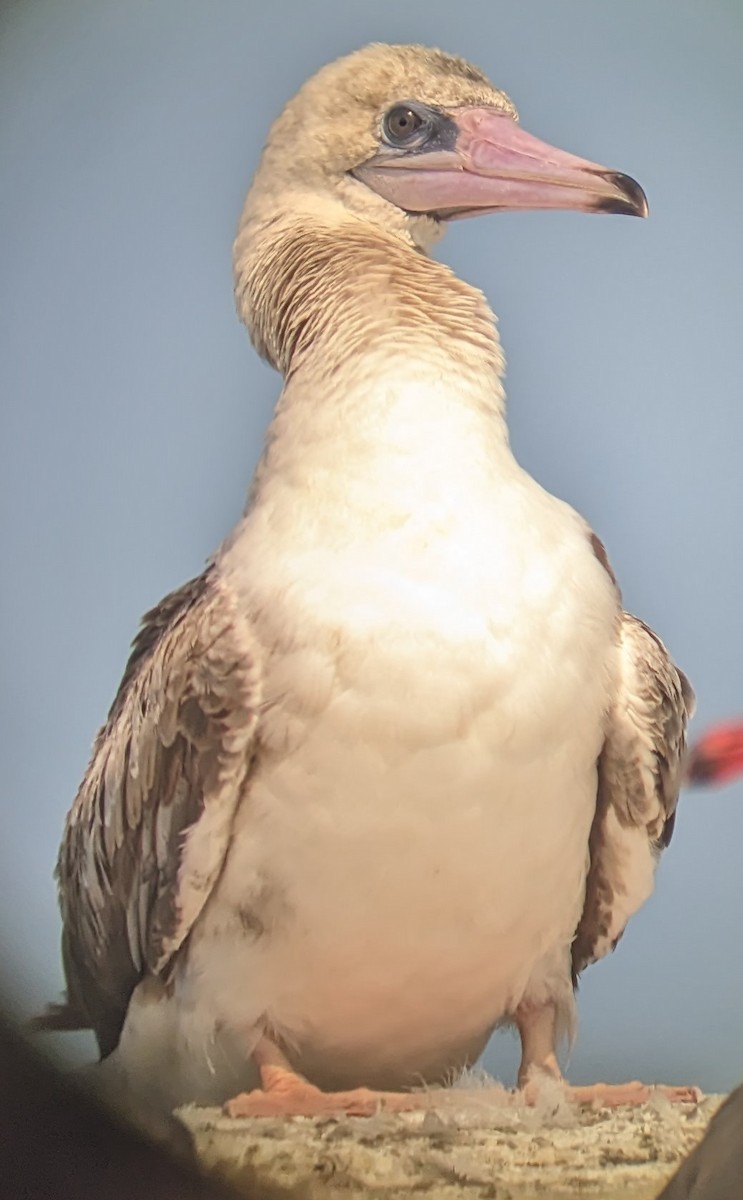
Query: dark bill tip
{"type": "Point", "coordinates": [629, 199]}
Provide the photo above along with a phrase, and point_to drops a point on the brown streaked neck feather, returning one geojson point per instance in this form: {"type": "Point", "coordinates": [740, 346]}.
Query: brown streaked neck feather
{"type": "Point", "coordinates": [338, 290]}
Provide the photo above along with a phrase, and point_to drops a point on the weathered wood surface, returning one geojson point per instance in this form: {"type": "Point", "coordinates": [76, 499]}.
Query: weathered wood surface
{"type": "Point", "coordinates": [470, 1143]}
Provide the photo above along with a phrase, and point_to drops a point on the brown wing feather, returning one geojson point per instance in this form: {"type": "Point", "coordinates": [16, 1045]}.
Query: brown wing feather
{"type": "Point", "coordinates": [146, 836]}
{"type": "Point", "coordinates": [639, 777]}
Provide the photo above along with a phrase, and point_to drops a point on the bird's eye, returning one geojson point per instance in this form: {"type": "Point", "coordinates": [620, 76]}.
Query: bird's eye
{"type": "Point", "coordinates": [400, 124]}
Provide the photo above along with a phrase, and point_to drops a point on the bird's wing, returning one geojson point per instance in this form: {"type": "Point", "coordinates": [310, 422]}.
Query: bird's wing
{"type": "Point", "coordinates": [147, 834]}
{"type": "Point", "coordinates": [639, 775]}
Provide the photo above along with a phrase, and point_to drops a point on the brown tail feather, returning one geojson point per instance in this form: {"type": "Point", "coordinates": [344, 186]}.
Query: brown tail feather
{"type": "Point", "coordinates": [58, 1018]}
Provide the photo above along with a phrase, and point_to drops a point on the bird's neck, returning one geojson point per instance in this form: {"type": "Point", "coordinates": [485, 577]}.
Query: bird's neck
{"type": "Point", "coordinates": [319, 297]}
{"type": "Point", "coordinates": [392, 365]}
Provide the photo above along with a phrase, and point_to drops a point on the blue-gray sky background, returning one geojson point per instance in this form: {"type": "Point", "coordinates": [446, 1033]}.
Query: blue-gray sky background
{"type": "Point", "coordinates": [133, 405]}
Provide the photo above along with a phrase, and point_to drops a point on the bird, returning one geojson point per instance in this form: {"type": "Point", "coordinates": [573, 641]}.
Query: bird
{"type": "Point", "coordinates": [717, 756]}
{"type": "Point", "coordinates": [396, 767]}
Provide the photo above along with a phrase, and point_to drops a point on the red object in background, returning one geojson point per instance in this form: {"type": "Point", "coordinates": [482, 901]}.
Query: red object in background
{"type": "Point", "coordinates": [718, 756]}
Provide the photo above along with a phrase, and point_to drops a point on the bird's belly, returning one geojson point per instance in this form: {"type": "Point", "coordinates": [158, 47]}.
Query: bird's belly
{"type": "Point", "coordinates": [410, 931]}
{"type": "Point", "coordinates": [408, 855]}
{"type": "Point", "coordinates": [413, 845]}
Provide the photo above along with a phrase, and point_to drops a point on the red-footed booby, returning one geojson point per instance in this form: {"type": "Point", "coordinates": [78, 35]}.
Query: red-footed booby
{"type": "Point", "coordinates": [396, 767]}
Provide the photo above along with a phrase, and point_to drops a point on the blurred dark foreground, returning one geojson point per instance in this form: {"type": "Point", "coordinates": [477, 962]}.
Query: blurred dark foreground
{"type": "Point", "coordinates": [714, 1170]}
{"type": "Point", "coordinates": [58, 1143]}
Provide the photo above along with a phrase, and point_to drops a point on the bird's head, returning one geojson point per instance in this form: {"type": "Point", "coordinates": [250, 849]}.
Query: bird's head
{"type": "Point", "coordinates": [410, 138]}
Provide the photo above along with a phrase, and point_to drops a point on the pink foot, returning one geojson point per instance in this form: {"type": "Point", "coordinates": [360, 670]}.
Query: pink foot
{"type": "Point", "coordinates": [537, 1025]}
{"type": "Point", "coordinates": [286, 1094]}
{"type": "Point", "coordinates": [612, 1095]}
{"type": "Point", "coordinates": [609, 1095]}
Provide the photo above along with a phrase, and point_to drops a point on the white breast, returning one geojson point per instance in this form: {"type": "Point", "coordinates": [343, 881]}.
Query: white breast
{"type": "Point", "coordinates": [437, 677]}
